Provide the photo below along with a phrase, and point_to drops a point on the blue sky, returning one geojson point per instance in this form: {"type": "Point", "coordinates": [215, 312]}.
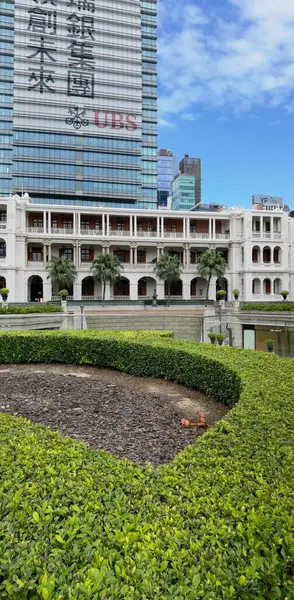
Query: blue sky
{"type": "Point", "coordinates": [226, 93]}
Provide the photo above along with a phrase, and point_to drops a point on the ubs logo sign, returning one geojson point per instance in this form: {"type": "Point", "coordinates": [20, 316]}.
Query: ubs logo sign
{"type": "Point", "coordinates": [102, 119]}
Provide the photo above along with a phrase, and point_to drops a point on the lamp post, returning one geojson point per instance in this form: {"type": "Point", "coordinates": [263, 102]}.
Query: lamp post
{"type": "Point", "coordinates": [82, 316]}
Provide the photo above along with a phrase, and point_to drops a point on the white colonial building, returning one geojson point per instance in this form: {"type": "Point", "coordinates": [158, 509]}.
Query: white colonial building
{"type": "Point", "coordinates": [256, 243]}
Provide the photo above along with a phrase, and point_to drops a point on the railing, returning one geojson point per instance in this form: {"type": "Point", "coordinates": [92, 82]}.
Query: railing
{"type": "Point", "coordinates": [266, 235]}
{"type": "Point", "coordinates": [35, 229]}
{"type": "Point", "coordinates": [58, 298]}
{"type": "Point", "coordinates": [222, 236]}
{"type": "Point", "coordinates": [36, 263]}
{"type": "Point", "coordinates": [199, 236]}
{"type": "Point", "coordinates": [117, 232]}
{"type": "Point", "coordinates": [87, 231]}
{"type": "Point", "coordinates": [147, 234]}
{"type": "Point", "coordinates": [62, 231]}
{"type": "Point", "coordinates": [173, 234]}
{"type": "Point", "coordinates": [84, 298]}
{"type": "Point", "coordinates": [147, 266]}
{"type": "Point", "coordinates": [119, 297]}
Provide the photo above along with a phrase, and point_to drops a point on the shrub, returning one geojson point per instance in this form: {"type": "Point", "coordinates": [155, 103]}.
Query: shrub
{"type": "Point", "coordinates": [217, 523]}
{"type": "Point", "coordinates": [63, 294]}
{"type": "Point", "coordinates": [26, 310]}
{"type": "Point", "coordinates": [236, 293]}
{"type": "Point", "coordinates": [282, 307]}
{"type": "Point", "coordinates": [221, 294]}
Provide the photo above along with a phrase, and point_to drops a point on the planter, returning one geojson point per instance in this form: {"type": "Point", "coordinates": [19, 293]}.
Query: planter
{"type": "Point", "coordinates": [4, 297]}
{"type": "Point", "coordinates": [220, 342]}
{"type": "Point", "coordinates": [236, 296]}
{"type": "Point", "coordinates": [270, 348]}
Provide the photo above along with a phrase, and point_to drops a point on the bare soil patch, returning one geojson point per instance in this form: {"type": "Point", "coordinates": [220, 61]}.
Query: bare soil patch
{"type": "Point", "coordinates": [139, 419]}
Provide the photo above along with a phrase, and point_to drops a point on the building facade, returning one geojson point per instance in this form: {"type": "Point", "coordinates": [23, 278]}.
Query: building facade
{"type": "Point", "coordinates": [167, 167]}
{"type": "Point", "coordinates": [79, 101]}
{"type": "Point", "coordinates": [183, 192]}
{"type": "Point", "coordinates": [192, 166]}
{"type": "Point", "coordinates": [258, 247]}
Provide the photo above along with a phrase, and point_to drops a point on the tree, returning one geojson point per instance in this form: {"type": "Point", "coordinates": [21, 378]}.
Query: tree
{"type": "Point", "coordinates": [168, 268]}
{"type": "Point", "coordinates": [62, 273]}
{"type": "Point", "coordinates": [211, 264]}
{"type": "Point", "coordinates": [106, 269]}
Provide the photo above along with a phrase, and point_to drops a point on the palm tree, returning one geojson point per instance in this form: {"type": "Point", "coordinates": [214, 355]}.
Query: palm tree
{"type": "Point", "coordinates": [62, 273]}
{"type": "Point", "coordinates": [168, 268]}
{"type": "Point", "coordinates": [107, 269]}
{"type": "Point", "coordinates": [211, 263]}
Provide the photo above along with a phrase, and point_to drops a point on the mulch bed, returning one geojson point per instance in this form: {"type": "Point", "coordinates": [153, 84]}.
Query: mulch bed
{"type": "Point", "coordinates": [130, 417]}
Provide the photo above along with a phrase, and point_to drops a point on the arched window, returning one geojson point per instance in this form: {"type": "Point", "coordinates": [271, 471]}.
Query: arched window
{"type": "Point", "coordinates": [256, 254]}
{"type": "Point", "coordinates": [277, 286]}
{"type": "Point", "coordinates": [256, 286]}
{"type": "Point", "coordinates": [2, 249]}
{"type": "Point", "coordinates": [267, 254]}
{"type": "Point", "coordinates": [277, 254]}
{"type": "Point", "coordinates": [267, 286]}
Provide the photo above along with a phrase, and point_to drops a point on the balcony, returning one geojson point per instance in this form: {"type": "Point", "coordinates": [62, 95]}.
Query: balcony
{"type": "Point", "coordinates": [173, 234]}
{"type": "Point", "coordinates": [35, 229]}
{"type": "Point", "coordinates": [199, 236]}
{"type": "Point", "coordinates": [62, 231]}
{"type": "Point", "coordinates": [91, 232]}
{"type": "Point", "coordinates": [36, 264]}
{"type": "Point", "coordinates": [222, 236]}
{"type": "Point", "coordinates": [147, 234]}
{"type": "Point", "coordinates": [119, 232]}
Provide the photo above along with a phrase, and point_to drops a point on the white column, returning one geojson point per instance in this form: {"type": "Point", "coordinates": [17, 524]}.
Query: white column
{"type": "Point", "coordinates": [78, 223]}
{"type": "Point", "coordinates": [158, 227]}
{"type": "Point", "coordinates": [47, 293]}
{"type": "Point", "coordinates": [131, 256]}
{"type": "Point", "coordinates": [188, 257]}
{"type": "Point", "coordinates": [188, 227]}
{"type": "Point", "coordinates": [135, 256]}
{"type": "Point", "coordinates": [210, 229]}
{"type": "Point", "coordinates": [49, 222]}
{"type": "Point", "coordinates": [162, 227]}
{"type": "Point", "coordinates": [103, 224]}
{"type": "Point", "coordinates": [44, 222]}
{"type": "Point", "coordinates": [135, 225]}
{"type": "Point", "coordinates": [107, 224]}
{"type": "Point", "coordinates": [213, 228]}
{"type": "Point", "coordinates": [133, 291]}
{"type": "Point", "coordinates": [131, 225]}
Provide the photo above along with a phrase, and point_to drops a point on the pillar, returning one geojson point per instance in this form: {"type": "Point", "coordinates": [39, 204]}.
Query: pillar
{"type": "Point", "coordinates": [47, 292]}
{"type": "Point", "coordinates": [133, 291]}
{"type": "Point", "coordinates": [49, 222]}
{"type": "Point", "coordinates": [162, 226]}
{"type": "Point", "coordinates": [107, 225]}
{"type": "Point", "coordinates": [131, 225]}
{"type": "Point", "coordinates": [103, 224]}
{"type": "Point", "coordinates": [135, 256]}
{"type": "Point", "coordinates": [44, 222]}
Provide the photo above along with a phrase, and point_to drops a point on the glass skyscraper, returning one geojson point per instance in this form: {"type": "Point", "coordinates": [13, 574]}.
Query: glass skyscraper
{"type": "Point", "coordinates": [78, 83]}
{"type": "Point", "coordinates": [168, 167]}
{"type": "Point", "coordinates": [183, 192]}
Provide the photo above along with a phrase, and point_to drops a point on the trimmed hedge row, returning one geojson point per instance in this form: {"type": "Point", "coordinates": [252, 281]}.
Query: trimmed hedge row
{"type": "Point", "coordinates": [282, 307]}
{"type": "Point", "coordinates": [26, 310]}
{"type": "Point", "coordinates": [217, 523]}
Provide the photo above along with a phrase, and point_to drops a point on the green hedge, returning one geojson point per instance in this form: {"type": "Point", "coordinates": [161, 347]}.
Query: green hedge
{"type": "Point", "coordinates": [26, 310]}
{"type": "Point", "coordinates": [216, 523]}
{"type": "Point", "coordinates": [268, 307]}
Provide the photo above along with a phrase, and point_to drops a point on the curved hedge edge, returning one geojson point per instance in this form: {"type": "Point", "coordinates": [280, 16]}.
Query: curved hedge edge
{"type": "Point", "coordinates": [143, 355]}
{"type": "Point", "coordinates": [216, 524]}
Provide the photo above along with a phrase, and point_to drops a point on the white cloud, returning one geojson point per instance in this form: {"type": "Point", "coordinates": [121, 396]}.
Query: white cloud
{"type": "Point", "coordinates": [165, 123]}
{"type": "Point", "coordinates": [190, 117]}
{"type": "Point", "coordinates": [239, 56]}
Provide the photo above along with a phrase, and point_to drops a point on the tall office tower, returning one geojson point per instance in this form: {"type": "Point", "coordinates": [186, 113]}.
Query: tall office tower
{"type": "Point", "coordinates": [183, 192]}
{"type": "Point", "coordinates": [192, 166]}
{"type": "Point", "coordinates": [167, 167]}
{"type": "Point", "coordinates": [78, 81]}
